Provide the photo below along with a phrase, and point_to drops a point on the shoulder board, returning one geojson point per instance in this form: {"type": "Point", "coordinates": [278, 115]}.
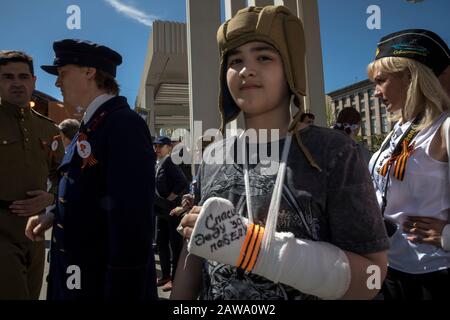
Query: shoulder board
{"type": "Point", "coordinates": [41, 115]}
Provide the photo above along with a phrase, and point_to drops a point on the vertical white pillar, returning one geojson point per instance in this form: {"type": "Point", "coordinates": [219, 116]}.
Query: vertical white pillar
{"type": "Point", "coordinates": [315, 99]}
{"type": "Point", "coordinates": [149, 104]}
{"type": "Point", "coordinates": [233, 6]}
{"type": "Point", "coordinates": [368, 119]}
{"type": "Point", "coordinates": [378, 125]}
{"type": "Point", "coordinates": [203, 20]}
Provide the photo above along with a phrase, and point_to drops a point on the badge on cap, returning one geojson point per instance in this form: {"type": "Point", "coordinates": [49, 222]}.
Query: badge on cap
{"type": "Point", "coordinates": [84, 149]}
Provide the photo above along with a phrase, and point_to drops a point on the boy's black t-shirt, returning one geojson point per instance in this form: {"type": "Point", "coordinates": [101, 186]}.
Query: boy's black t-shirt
{"type": "Point", "coordinates": [337, 205]}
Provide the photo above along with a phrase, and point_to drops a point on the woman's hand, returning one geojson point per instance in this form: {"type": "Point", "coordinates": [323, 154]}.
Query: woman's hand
{"type": "Point", "coordinates": [424, 230]}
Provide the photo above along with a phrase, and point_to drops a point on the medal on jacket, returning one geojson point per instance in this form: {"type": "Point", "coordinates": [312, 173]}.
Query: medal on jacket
{"type": "Point", "coordinates": [84, 150]}
{"type": "Point", "coordinates": [54, 146]}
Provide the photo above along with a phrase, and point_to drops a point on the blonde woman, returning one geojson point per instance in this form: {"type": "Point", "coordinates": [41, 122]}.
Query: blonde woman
{"type": "Point", "coordinates": [411, 170]}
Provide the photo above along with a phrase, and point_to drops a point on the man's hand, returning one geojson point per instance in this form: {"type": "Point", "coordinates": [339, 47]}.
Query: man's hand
{"type": "Point", "coordinates": [424, 230]}
{"type": "Point", "coordinates": [37, 203]}
{"type": "Point", "coordinates": [37, 225]}
{"type": "Point", "coordinates": [172, 196]}
{"type": "Point", "coordinates": [178, 211]}
{"type": "Point", "coordinates": [188, 221]}
{"type": "Point", "coordinates": [187, 203]}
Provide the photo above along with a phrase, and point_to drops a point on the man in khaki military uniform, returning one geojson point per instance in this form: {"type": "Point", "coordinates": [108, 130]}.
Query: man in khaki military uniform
{"type": "Point", "coordinates": [29, 155]}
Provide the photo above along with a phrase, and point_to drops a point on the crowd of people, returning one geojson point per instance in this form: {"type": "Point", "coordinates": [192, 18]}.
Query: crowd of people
{"type": "Point", "coordinates": [310, 229]}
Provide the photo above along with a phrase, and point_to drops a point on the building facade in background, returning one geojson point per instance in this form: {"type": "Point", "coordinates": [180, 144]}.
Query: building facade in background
{"type": "Point", "coordinates": [360, 95]}
{"type": "Point", "coordinates": [53, 108]}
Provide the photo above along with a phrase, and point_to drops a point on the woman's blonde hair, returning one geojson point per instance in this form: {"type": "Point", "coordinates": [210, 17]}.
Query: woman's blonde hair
{"type": "Point", "coordinates": [425, 94]}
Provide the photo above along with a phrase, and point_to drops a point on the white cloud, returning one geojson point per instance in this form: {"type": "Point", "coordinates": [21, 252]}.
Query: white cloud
{"type": "Point", "coordinates": [132, 12]}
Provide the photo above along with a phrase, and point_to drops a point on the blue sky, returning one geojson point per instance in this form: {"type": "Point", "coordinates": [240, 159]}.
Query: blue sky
{"type": "Point", "coordinates": [348, 45]}
{"type": "Point", "coordinates": [125, 25]}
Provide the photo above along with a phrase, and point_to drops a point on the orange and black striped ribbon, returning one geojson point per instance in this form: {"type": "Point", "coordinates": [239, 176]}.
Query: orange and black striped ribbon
{"type": "Point", "coordinates": [89, 161]}
{"type": "Point", "coordinates": [399, 159]}
{"type": "Point", "coordinates": [250, 247]}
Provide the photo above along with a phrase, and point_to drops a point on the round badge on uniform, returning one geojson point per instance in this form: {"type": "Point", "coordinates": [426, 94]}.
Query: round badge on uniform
{"type": "Point", "coordinates": [84, 149]}
{"type": "Point", "coordinates": [54, 145]}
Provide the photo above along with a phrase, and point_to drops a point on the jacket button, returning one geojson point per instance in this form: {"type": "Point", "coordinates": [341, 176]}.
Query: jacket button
{"type": "Point", "coordinates": [60, 226]}
{"type": "Point", "coordinates": [62, 200]}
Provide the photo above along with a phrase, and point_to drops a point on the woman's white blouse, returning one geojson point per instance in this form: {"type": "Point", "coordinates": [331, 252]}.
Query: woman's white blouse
{"type": "Point", "coordinates": [424, 191]}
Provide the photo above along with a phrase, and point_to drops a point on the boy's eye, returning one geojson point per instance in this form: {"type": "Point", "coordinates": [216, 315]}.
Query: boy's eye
{"type": "Point", "coordinates": [264, 58]}
{"type": "Point", "coordinates": [233, 62]}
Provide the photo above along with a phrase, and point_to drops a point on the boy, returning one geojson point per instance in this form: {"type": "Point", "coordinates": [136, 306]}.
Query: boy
{"type": "Point", "coordinates": [327, 198]}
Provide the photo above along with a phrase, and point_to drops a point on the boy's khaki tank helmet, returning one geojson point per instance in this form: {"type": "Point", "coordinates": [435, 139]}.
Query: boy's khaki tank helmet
{"type": "Point", "coordinates": [275, 25]}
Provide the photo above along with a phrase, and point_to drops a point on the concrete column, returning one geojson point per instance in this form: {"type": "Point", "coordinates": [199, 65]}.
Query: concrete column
{"type": "Point", "coordinates": [357, 103]}
{"type": "Point", "coordinates": [233, 6]}
{"type": "Point", "coordinates": [203, 20]}
{"type": "Point", "coordinates": [378, 116]}
{"type": "Point", "coordinates": [291, 4]}
{"type": "Point", "coordinates": [315, 100]}
{"type": "Point", "coordinates": [333, 108]}
{"type": "Point", "coordinates": [368, 120]}
{"type": "Point", "coordinates": [260, 3]}
{"type": "Point", "coordinates": [149, 104]}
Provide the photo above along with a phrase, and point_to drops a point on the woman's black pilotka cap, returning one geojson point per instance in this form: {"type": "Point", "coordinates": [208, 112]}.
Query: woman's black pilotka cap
{"type": "Point", "coordinates": [418, 44]}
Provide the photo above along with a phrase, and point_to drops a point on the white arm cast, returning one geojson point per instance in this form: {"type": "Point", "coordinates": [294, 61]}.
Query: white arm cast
{"type": "Point", "coordinates": [317, 268]}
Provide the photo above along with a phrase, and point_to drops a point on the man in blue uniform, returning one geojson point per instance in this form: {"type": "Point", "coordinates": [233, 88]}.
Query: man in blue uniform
{"type": "Point", "coordinates": [102, 229]}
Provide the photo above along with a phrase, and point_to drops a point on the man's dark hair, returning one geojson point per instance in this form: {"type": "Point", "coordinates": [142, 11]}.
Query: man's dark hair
{"type": "Point", "coordinates": [8, 56]}
{"type": "Point", "coordinates": [349, 115]}
{"type": "Point", "coordinates": [69, 127]}
{"type": "Point", "coordinates": [306, 114]}
{"type": "Point", "coordinates": [106, 82]}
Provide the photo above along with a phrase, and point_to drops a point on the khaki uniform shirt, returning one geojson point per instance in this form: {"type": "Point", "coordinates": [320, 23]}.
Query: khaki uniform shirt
{"type": "Point", "coordinates": [30, 152]}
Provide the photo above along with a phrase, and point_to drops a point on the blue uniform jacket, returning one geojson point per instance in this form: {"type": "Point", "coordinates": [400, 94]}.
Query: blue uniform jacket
{"type": "Point", "coordinates": [104, 219]}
